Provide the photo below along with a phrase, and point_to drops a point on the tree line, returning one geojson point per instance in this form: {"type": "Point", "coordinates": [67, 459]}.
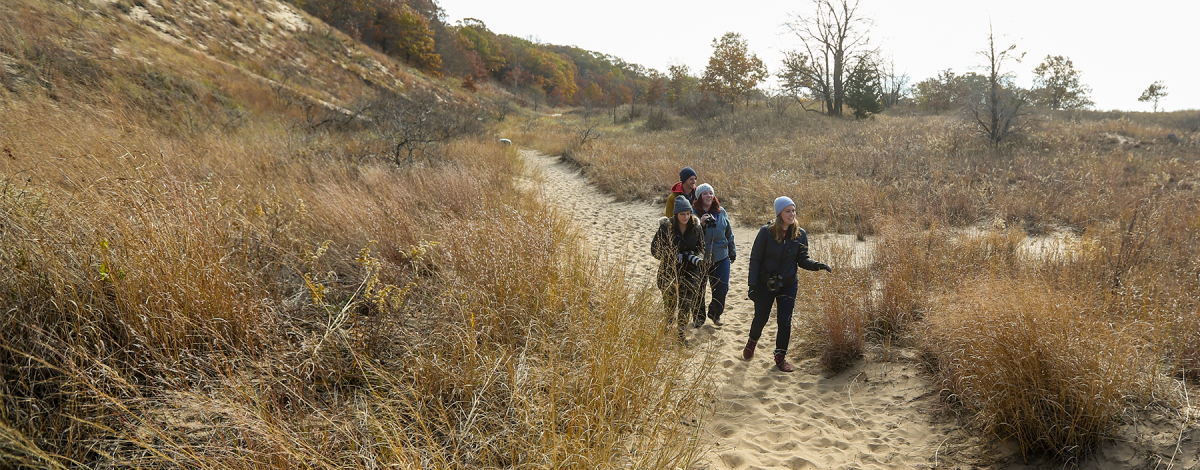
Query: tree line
{"type": "Point", "coordinates": [417, 33]}
{"type": "Point", "coordinates": [835, 68]}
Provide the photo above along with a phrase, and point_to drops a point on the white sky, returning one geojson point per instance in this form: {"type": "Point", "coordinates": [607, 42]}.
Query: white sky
{"type": "Point", "coordinates": [1119, 47]}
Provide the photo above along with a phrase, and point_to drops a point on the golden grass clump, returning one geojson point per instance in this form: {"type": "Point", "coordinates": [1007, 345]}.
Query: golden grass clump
{"type": "Point", "coordinates": [1035, 365]}
{"type": "Point", "coordinates": [836, 330]}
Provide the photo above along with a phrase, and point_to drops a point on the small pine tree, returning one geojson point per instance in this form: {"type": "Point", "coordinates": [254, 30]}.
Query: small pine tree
{"type": "Point", "coordinates": [863, 92]}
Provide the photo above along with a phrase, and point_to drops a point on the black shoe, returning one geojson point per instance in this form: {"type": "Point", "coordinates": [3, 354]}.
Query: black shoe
{"type": "Point", "coordinates": [716, 321]}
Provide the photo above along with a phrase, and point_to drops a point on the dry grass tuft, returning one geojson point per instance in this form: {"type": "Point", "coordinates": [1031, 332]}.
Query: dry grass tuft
{"type": "Point", "coordinates": [1035, 365]}
{"type": "Point", "coordinates": [842, 321]}
{"type": "Point", "coordinates": [833, 318]}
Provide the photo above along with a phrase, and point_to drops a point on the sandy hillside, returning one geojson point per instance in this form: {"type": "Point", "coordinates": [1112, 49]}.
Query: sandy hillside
{"type": "Point", "coordinates": [882, 413]}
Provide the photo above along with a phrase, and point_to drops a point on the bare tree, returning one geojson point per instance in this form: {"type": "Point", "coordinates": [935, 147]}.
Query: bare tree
{"type": "Point", "coordinates": [830, 38]}
{"type": "Point", "coordinates": [779, 101]}
{"type": "Point", "coordinates": [1001, 111]}
{"type": "Point", "coordinates": [894, 86]}
{"type": "Point", "coordinates": [415, 124]}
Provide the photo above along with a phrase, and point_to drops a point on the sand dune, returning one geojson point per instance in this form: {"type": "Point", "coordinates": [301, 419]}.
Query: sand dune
{"type": "Point", "coordinates": [881, 413]}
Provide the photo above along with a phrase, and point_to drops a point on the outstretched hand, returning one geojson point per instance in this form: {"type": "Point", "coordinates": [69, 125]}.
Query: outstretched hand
{"type": "Point", "coordinates": [825, 267]}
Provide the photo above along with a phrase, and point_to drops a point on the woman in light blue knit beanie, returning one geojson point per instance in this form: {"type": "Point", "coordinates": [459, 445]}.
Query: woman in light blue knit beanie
{"type": "Point", "coordinates": [779, 249]}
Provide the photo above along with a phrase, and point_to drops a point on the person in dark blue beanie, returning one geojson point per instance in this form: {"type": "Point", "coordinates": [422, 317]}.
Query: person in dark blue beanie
{"type": "Point", "coordinates": [686, 187]}
{"type": "Point", "coordinates": [687, 173]}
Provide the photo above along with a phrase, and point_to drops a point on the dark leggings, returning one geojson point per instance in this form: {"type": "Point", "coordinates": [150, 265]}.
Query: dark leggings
{"type": "Point", "coordinates": [786, 299]}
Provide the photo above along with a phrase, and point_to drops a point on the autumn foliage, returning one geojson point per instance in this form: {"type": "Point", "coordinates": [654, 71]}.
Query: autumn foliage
{"type": "Point", "coordinates": [397, 28]}
{"type": "Point", "coordinates": [415, 32]}
{"type": "Point", "coordinates": [733, 71]}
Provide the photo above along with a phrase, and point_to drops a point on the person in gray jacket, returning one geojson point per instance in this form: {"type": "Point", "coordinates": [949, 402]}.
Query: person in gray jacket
{"type": "Point", "coordinates": [719, 250]}
{"type": "Point", "coordinates": [779, 249]}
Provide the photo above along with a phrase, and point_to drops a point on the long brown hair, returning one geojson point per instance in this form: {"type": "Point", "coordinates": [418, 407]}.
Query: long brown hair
{"type": "Point", "coordinates": [777, 231]}
{"type": "Point", "coordinates": [692, 223]}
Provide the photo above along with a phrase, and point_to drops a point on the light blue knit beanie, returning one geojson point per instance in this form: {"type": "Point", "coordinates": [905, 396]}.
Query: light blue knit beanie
{"type": "Point", "coordinates": [781, 203]}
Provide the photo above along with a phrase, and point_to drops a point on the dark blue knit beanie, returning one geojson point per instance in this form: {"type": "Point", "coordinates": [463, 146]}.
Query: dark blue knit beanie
{"type": "Point", "coordinates": [686, 172]}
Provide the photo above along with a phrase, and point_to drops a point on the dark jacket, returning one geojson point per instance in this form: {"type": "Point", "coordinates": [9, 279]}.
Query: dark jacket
{"type": "Point", "coordinates": [668, 243]}
{"type": "Point", "coordinates": [718, 234]}
{"type": "Point", "coordinates": [769, 257]}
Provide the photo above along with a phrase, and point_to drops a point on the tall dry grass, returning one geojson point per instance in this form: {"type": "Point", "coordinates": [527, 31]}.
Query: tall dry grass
{"type": "Point", "coordinates": [952, 222]}
{"type": "Point", "coordinates": [833, 308]}
{"type": "Point", "coordinates": [931, 170]}
{"type": "Point", "coordinates": [1037, 366]}
{"type": "Point", "coordinates": [268, 298]}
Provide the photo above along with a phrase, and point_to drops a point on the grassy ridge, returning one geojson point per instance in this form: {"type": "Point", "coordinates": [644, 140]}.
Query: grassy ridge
{"type": "Point", "coordinates": [1049, 346]}
{"type": "Point", "coordinates": [268, 302]}
{"type": "Point", "coordinates": [203, 268]}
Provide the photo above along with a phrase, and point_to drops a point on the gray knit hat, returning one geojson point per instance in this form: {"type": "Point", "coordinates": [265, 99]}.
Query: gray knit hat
{"type": "Point", "coordinates": [705, 187]}
{"type": "Point", "coordinates": [681, 205]}
{"type": "Point", "coordinates": [781, 203]}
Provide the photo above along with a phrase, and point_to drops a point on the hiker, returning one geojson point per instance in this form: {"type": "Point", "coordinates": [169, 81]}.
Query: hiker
{"type": "Point", "coordinates": [679, 245]}
{"type": "Point", "coordinates": [779, 249]}
{"type": "Point", "coordinates": [686, 187]}
{"type": "Point", "coordinates": [719, 249]}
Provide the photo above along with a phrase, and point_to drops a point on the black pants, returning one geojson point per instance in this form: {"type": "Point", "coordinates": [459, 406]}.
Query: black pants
{"type": "Point", "coordinates": [763, 300]}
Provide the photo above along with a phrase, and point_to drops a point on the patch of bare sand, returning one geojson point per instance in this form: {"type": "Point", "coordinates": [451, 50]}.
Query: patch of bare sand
{"type": "Point", "coordinates": [881, 413]}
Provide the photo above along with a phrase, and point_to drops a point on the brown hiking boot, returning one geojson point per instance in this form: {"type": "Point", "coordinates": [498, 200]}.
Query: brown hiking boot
{"type": "Point", "coordinates": [783, 363]}
{"type": "Point", "coordinates": [748, 351]}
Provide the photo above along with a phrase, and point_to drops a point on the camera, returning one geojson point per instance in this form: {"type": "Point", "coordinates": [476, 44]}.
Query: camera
{"type": "Point", "coordinates": [774, 283]}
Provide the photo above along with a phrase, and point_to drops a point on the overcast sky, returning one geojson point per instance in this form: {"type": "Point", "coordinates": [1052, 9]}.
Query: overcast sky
{"type": "Point", "coordinates": [1120, 47]}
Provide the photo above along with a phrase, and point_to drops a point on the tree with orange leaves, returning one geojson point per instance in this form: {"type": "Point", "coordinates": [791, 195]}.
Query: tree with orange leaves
{"type": "Point", "coordinates": [732, 70]}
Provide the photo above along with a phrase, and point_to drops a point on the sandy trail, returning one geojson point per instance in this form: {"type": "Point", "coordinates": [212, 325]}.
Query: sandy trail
{"type": "Point", "coordinates": [867, 417]}
{"type": "Point", "coordinates": [881, 413]}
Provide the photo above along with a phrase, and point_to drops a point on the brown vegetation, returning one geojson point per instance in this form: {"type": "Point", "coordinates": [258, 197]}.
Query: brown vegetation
{"type": "Point", "coordinates": [206, 269]}
{"type": "Point", "coordinates": [1047, 346]}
